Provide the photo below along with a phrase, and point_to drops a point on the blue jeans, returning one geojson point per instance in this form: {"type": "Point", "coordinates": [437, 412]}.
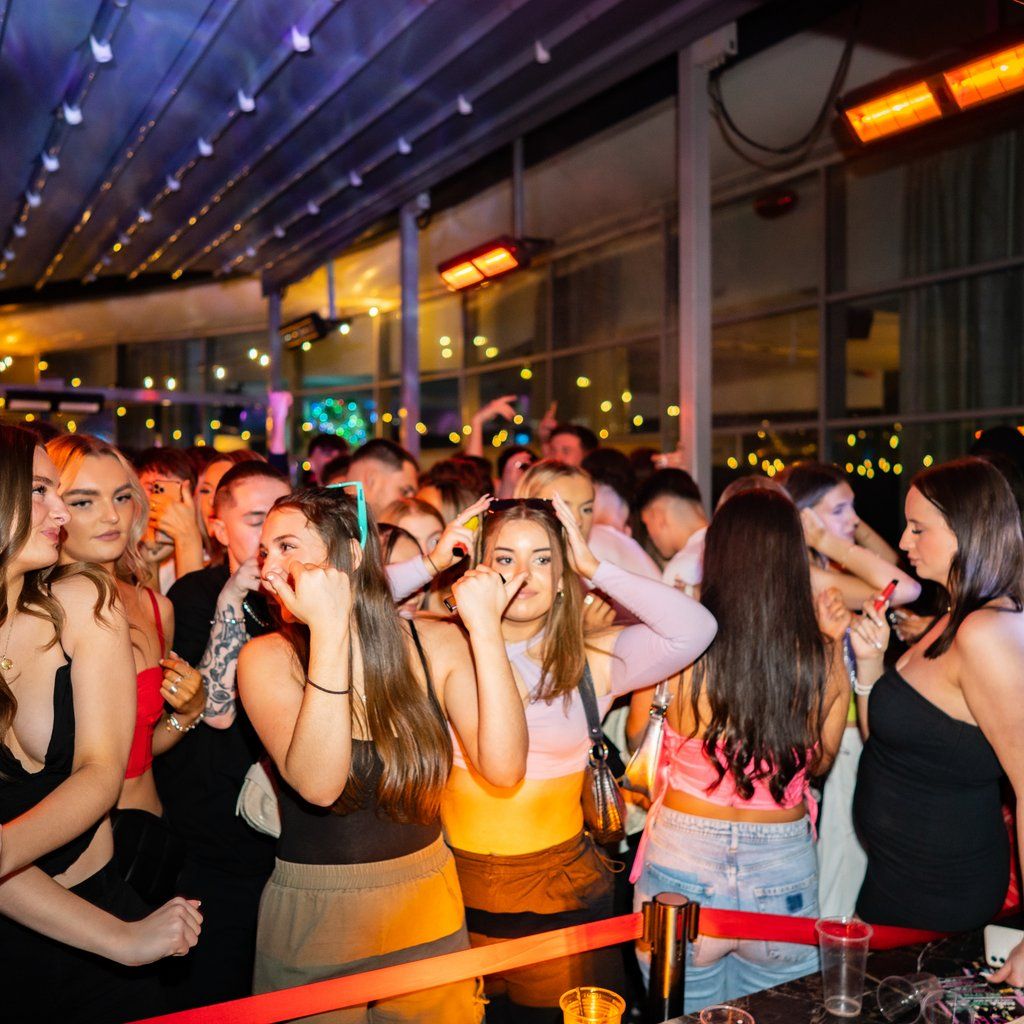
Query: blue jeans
{"type": "Point", "coordinates": [771, 869]}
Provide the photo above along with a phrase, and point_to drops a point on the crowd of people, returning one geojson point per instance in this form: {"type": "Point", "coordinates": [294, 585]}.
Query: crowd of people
{"type": "Point", "coordinates": [256, 734]}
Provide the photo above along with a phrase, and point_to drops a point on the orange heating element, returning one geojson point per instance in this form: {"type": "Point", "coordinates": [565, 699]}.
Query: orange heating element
{"type": "Point", "coordinates": [987, 78]}
{"type": "Point", "coordinates": [895, 112]}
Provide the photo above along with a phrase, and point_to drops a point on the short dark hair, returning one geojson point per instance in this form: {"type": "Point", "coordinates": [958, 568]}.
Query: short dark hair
{"type": "Point", "coordinates": [237, 474]}
{"type": "Point", "coordinates": [612, 468]}
{"type": "Point", "coordinates": [329, 442]}
{"type": "Point", "coordinates": [672, 483]}
{"type": "Point", "coordinates": [587, 438]}
{"type": "Point", "coordinates": [337, 467]}
{"type": "Point", "coordinates": [380, 449]}
{"type": "Point", "coordinates": [167, 461]}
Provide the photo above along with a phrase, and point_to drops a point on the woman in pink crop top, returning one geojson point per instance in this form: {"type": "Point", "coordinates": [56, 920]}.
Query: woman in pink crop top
{"type": "Point", "coordinates": [732, 821]}
{"type": "Point", "coordinates": [524, 862]}
{"type": "Point", "coordinates": [108, 516]}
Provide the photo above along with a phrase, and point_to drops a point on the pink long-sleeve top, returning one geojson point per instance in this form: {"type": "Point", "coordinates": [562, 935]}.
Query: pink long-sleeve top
{"type": "Point", "coordinates": [671, 632]}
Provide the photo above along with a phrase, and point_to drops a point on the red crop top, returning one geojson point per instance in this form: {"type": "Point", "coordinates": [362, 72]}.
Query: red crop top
{"type": "Point", "coordinates": [149, 706]}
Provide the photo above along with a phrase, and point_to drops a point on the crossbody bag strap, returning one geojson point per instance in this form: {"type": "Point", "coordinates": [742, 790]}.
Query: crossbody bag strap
{"type": "Point", "coordinates": [589, 699]}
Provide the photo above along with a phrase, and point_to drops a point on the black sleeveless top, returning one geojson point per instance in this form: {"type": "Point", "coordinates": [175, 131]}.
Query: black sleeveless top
{"type": "Point", "coordinates": [363, 832]}
{"type": "Point", "coordinates": [928, 811]}
{"type": "Point", "coordinates": [21, 790]}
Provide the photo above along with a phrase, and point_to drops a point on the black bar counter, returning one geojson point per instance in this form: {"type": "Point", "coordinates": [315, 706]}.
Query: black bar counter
{"type": "Point", "coordinates": [800, 1001]}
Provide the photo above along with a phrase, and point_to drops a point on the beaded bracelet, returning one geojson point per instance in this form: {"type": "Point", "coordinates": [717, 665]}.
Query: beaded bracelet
{"type": "Point", "coordinates": [172, 722]}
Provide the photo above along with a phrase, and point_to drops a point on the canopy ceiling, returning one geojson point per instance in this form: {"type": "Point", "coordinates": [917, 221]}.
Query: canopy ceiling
{"type": "Point", "coordinates": [148, 141]}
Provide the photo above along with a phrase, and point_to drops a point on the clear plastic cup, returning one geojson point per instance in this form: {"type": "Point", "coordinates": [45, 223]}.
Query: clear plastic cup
{"type": "Point", "coordinates": [725, 1015]}
{"type": "Point", "coordinates": [843, 942]}
{"type": "Point", "coordinates": [900, 997]}
{"type": "Point", "coordinates": [937, 1009]}
{"type": "Point", "coordinates": [589, 1005]}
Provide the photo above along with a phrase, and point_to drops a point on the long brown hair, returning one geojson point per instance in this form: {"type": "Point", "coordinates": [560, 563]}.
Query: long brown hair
{"type": "Point", "coordinates": [410, 736]}
{"type": "Point", "coordinates": [17, 453]}
{"type": "Point", "coordinates": [978, 505]}
{"type": "Point", "coordinates": [564, 647]}
{"type": "Point", "coordinates": [68, 452]}
{"type": "Point", "coordinates": [765, 674]}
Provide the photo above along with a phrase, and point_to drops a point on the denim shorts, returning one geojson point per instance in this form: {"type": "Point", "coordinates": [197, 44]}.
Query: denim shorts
{"type": "Point", "coordinates": [767, 868]}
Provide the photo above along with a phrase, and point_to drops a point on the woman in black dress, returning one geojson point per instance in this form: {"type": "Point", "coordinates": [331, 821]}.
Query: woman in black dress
{"type": "Point", "coordinates": [946, 721]}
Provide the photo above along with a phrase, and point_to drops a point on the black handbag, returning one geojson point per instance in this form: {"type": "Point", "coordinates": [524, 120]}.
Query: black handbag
{"type": "Point", "coordinates": [604, 810]}
{"type": "Point", "coordinates": [148, 854]}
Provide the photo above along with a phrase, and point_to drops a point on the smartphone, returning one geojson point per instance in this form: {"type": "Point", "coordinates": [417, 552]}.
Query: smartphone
{"type": "Point", "coordinates": [162, 493]}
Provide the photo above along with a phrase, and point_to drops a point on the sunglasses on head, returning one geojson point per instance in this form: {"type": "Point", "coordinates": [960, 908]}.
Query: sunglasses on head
{"type": "Point", "coordinates": [536, 504]}
{"type": "Point", "coordinates": [360, 505]}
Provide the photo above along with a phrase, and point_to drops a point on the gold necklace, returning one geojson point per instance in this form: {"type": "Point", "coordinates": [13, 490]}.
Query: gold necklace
{"type": "Point", "coordinates": [6, 664]}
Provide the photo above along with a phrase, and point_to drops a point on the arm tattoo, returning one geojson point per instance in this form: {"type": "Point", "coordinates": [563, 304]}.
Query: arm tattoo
{"type": "Point", "coordinates": [219, 664]}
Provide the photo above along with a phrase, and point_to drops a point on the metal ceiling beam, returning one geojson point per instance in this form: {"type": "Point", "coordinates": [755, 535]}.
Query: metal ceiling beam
{"type": "Point", "coordinates": [490, 23]}
{"type": "Point", "coordinates": [203, 146]}
{"type": "Point", "coordinates": [308, 110]}
{"type": "Point", "coordinates": [169, 88]}
{"type": "Point", "coordinates": [652, 41]}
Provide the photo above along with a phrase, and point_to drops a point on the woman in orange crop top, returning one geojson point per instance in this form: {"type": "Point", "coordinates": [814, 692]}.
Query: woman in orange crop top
{"type": "Point", "coordinates": [732, 822]}
{"type": "Point", "coordinates": [108, 516]}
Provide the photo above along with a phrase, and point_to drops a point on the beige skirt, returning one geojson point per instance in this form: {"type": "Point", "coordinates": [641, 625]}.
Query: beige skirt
{"type": "Point", "coordinates": [320, 921]}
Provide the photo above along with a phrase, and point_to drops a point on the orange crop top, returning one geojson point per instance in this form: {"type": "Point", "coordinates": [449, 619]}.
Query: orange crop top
{"type": "Point", "coordinates": [149, 706]}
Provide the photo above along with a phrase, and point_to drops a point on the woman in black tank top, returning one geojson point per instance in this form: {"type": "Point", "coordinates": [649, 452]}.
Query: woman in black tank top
{"type": "Point", "coordinates": [946, 721]}
{"type": "Point", "coordinates": [57, 892]}
{"type": "Point", "coordinates": [353, 705]}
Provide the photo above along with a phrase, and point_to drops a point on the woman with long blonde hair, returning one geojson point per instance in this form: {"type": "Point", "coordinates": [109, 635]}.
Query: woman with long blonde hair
{"type": "Point", "coordinates": [108, 516]}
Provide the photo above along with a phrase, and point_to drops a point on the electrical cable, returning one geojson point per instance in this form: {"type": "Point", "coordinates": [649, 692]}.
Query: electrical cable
{"type": "Point", "coordinates": [796, 151]}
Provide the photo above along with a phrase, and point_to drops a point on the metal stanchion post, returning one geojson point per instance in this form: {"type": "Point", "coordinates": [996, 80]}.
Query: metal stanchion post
{"type": "Point", "coordinates": [670, 921]}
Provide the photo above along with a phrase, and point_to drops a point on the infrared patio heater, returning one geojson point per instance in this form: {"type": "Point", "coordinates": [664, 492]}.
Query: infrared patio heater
{"type": "Point", "coordinates": [982, 78]}
{"type": "Point", "coordinates": [484, 263]}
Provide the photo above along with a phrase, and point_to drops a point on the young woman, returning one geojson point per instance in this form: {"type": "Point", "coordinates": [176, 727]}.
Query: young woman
{"type": "Point", "coordinates": [525, 863]}
{"type": "Point", "coordinates": [353, 705]}
{"type": "Point", "coordinates": [946, 721]}
{"type": "Point", "coordinates": [66, 712]}
{"type": "Point", "coordinates": [846, 552]}
{"type": "Point", "coordinates": [849, 557]}
{"type": "Point", "coordinates": [419, 518]}
{"type": "Point", "coordinates": [732, 824]}
{"type": "Point", "coordinates": [108, 515]}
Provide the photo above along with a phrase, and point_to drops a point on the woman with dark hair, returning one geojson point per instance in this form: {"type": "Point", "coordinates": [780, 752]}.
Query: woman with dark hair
{"type": "Point", "coordinates": [353, 705]}
{"type": "Point", "coordinates": [525, 862]}
{"type": "Point", "coordinates": [850, 562]}
{"type": "Point", "coordinates": [847, 553]}
{"type": "Point", "coordinates": [108, 514]}
{"type": "Point", "coordinates": [732, 823]}
{"type": "Point", "coordinates": [67, 694]}
{"type": "Point", "coordinates": [945, 722]}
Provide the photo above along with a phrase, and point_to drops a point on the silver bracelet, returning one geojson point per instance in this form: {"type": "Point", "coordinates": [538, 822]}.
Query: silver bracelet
{"type": "Point", "coordinates": [172, 722]}
{"type": "Point", "coordinates": [862, 689]}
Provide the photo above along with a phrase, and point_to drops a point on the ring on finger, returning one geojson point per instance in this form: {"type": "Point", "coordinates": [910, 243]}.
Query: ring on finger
{"type": "Point", "coordinates": [173, 687]}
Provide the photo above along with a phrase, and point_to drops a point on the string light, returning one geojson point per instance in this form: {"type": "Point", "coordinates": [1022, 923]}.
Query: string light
{"type": "Point", "coordinates": [150, 423]}
{"type": "Point", "coordinates": [603, 434]}
{"type": "Point", "coordinates": [264, 360]}
{"type": "Point", "coordinates": [253, 353]}
{"type": "Point", "coordinates": [147, 382]}
{"type": "Point", "coordinates": [894, 442]}
{"type": "Point", "coordinates": [673, 410]}
{"type": "Point", "coordinates": [927, 460]}
{"type": "Point", "coordinates": [307, 426]}
{"type": "Point", "coordinates": [583, 382]}
{"type": "Point", "coordinates": [467, 429]}
{"type": "Point", "coordinates": [455, 437]}
{"type": "Point", "coordinates": [171, 383]}
{"type": "Point", "coordinates": [752, 458]}
{"type": "Point", "coordinates": [219, 372]}
{"type": "Point", "coordinates": [373, 311]}
{"type": "Point", "coordinates": [387, 418]}
{"type": "Point", "coordinates": [627, 396]}
{"type": "Point", "coordinates": [421, 428]}
{"type": "Point", "coordinates": [851, 439]}
{"type": "Point", "coordinates": [43, 364]}
{"type": "Point", "coordinates": [491, 351]}
{"type": "Point", "coordinates": [526, 373]}
{"type": "Point", "coordinates": [606, 406]}
{"type": "Point", "coordinates": [215, 424]}
{"type": "Point", "coordinates": [246, 434]}
{"type": "Point", "coordinates": [479, 341]}
{"type": "Point", "coordinates": [72, 426]}
{"type": "Point", "coordinates": [176, 435]}
{"type": "Point", "coordinates": [638, 420]}
{"type": "Point", "coordinates": [76, 382]}
{"type": "Point", "coordinates": [121, 411]}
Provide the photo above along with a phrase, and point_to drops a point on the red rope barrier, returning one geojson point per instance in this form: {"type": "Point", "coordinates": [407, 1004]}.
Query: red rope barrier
{"type": "Point", "coordinates": [401, 979]}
